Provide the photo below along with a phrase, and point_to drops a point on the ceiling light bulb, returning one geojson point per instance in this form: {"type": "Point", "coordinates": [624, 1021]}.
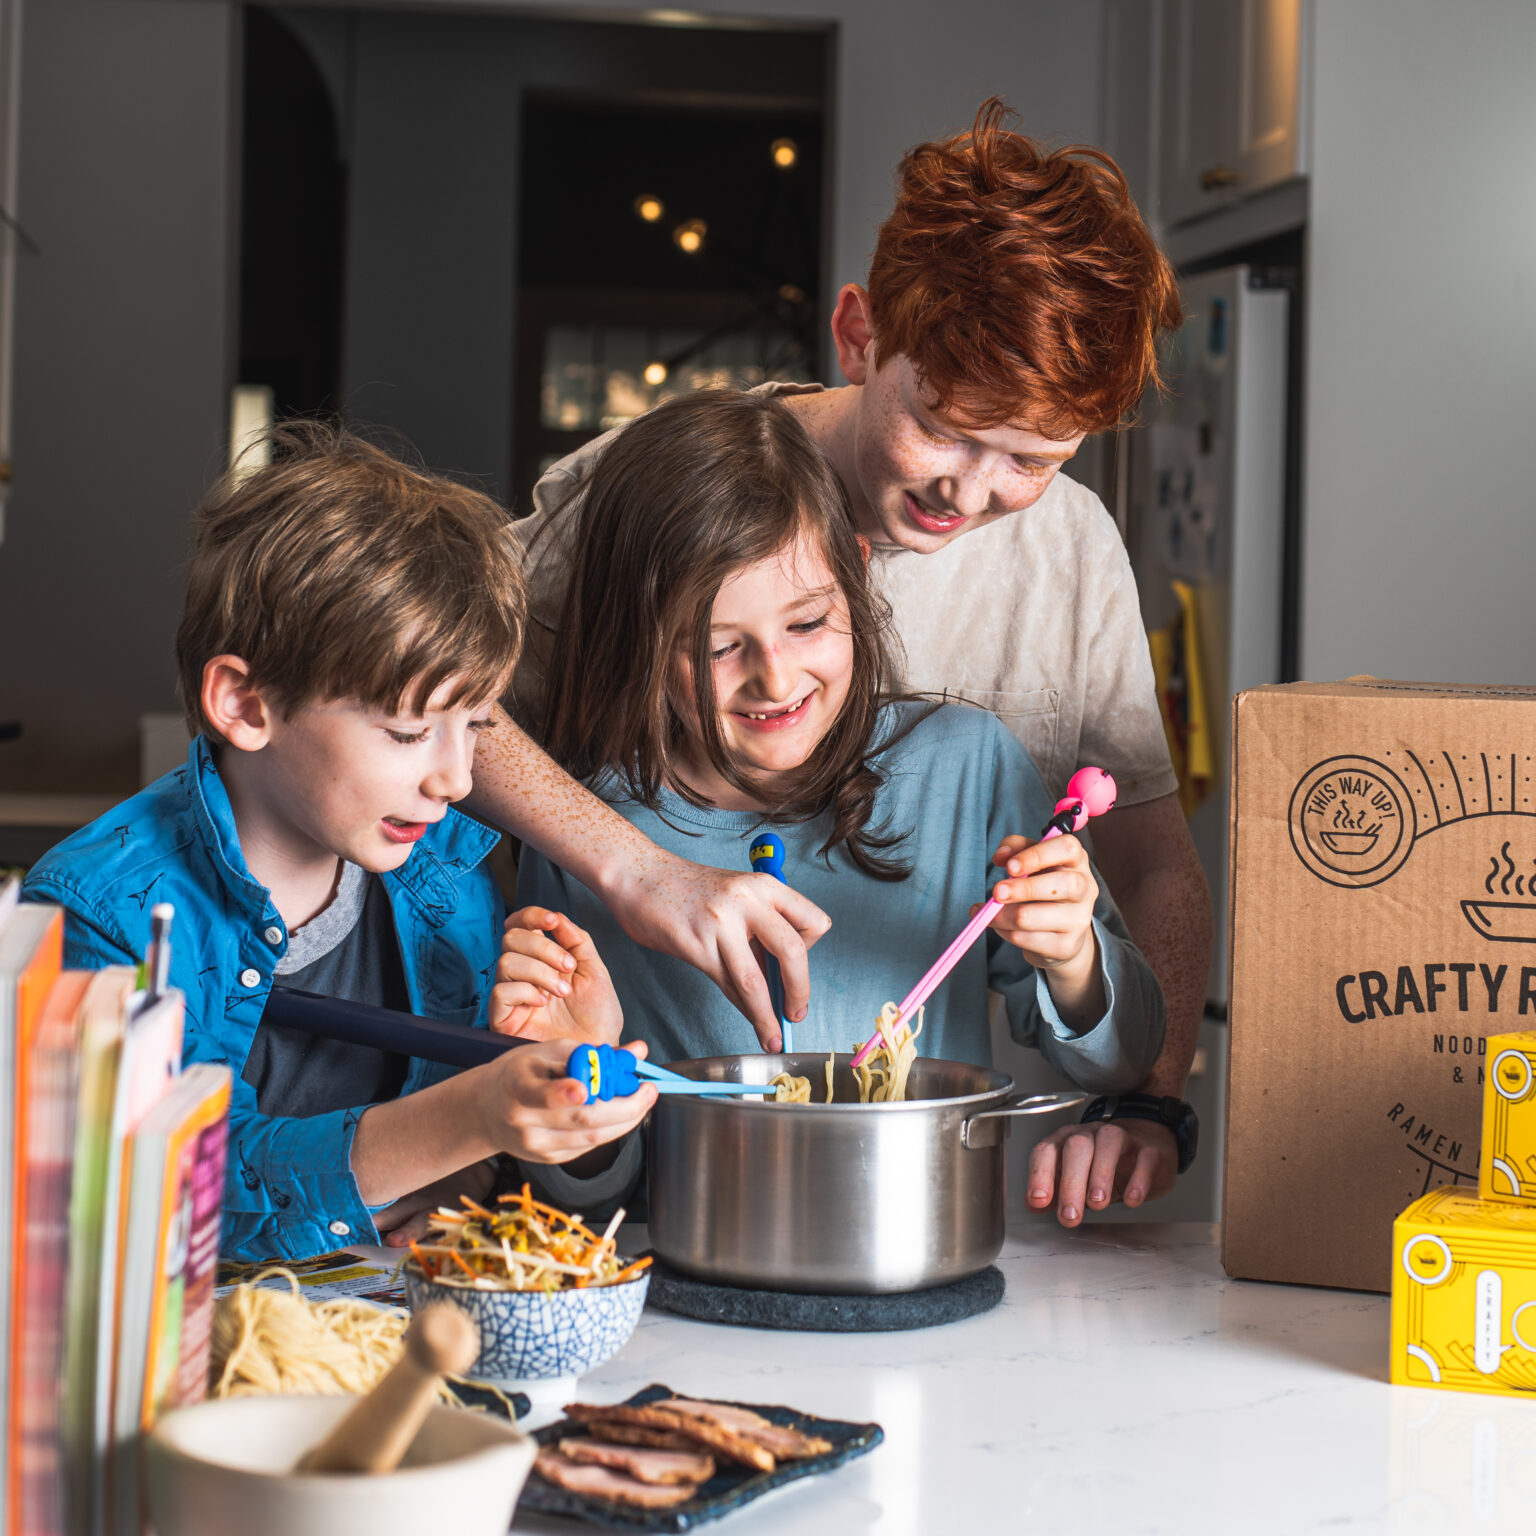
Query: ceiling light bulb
{"type": "Point", "coordinates": [655, 373]}
{"type": "Point", "coordinates": [785, 152]}
{"type": "Point", "coordinates": [690, 236]}
{"type": "Point", "coordinates": [649, 208]}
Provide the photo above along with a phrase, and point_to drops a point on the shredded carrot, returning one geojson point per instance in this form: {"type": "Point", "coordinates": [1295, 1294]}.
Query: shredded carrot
{"type": "Point", "coordinates": [524, 1245]}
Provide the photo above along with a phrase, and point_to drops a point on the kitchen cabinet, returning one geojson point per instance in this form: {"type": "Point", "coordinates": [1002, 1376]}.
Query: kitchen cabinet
{"type": "Point", "coordinates": [1204, 100]}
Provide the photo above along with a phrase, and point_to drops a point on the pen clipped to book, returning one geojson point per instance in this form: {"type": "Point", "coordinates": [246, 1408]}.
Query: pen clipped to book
{"type": "Point", "coordinates": [155, 973]}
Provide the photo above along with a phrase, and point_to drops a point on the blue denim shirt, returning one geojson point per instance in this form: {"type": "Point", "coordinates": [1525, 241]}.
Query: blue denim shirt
{"type": "Point", "coordinates": [290, 1191]}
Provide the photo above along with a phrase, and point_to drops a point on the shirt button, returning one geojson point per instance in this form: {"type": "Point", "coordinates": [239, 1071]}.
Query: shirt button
{"type": "Point", "coordinates": [340, 1229]}
{"type": "Point", "coordinates": [250, 978]}
{"type": "Point", "coordinates": [273, 935]}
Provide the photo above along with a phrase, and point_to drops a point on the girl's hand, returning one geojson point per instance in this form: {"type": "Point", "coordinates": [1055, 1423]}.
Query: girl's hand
{"type": "Point", "coordinates": [551, 983]}
{"type": "Point", "coordinates": [533, 1111]}
{"type": "Point", "coordinates": [1048, 915]}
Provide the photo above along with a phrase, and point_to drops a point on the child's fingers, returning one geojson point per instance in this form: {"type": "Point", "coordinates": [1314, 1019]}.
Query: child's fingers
{"type": "Point", "coordinates": [1053, 853]}
{"type": "Point", "coordinates": [530, 920]}
{"type": "Point", "coordinates": [1066, 885]}
{"type": "Point", "coordinates": [513, 1005]}
{"type": "Point", "coordinates": [545, 946]}
{"type": "Point", "coordinates": [1009, 848]}
{"type": "Point", "coordinates": [543, 931]}
{"type": "Point", "coordinates": [537, 970]}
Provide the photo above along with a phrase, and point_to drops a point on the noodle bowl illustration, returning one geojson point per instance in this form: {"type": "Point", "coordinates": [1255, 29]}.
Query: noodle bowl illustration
{"type": "Point", "coordinates": [1509, 922]}
{"type": "Point", "coordinates": [1350, 835]}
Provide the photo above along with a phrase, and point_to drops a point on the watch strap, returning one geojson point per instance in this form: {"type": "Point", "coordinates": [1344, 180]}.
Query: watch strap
{"type": "Point", "coordinates": [1176, 1114]}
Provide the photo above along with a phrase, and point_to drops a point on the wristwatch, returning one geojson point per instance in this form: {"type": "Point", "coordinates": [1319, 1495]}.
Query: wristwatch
{"type": "Point", "coordinates": [1179, 1117]}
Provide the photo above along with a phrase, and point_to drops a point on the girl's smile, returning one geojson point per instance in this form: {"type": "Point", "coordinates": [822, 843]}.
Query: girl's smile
{"type": "Point", "coordinates": [775, 719]}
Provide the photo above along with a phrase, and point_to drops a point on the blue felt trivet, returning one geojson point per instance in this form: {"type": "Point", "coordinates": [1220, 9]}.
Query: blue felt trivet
{"type": "Point", "coordinates": [789, 1311]}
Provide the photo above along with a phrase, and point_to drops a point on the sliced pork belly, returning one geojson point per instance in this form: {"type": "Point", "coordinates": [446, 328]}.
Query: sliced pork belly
{"type": "Point", "coordinates": [650, 1466]}
{"type": "Point", "coordinates": [785, 1444]}
{"type": "Point", "coordinates": [637, 1434]}
{"type": "Point", "coordinates": [708, 1434]}
{"type": "Point", "coordinates": [605, 1483]}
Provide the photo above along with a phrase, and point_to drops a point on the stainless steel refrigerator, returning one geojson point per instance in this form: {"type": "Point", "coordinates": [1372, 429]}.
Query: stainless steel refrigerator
{"type": "Point", "coordinates": [1204, 502]}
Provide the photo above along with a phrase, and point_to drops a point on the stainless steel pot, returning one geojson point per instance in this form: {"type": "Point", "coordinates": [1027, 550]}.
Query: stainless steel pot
{"type": "Point", "coordinates": [838, 1198]}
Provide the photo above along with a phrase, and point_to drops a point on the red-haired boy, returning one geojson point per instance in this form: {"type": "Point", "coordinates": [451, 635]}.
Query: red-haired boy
{"type": "Point", "coordinates": [1014, 304]}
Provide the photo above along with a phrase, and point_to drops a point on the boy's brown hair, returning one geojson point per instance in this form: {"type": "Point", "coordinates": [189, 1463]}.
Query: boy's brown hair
{"type": "Point", "coordinates": [337, 572]}
{"type": "Point", "coordinates": [1021, 283]}
{"type": "Point", "coordinates": [690, 493]}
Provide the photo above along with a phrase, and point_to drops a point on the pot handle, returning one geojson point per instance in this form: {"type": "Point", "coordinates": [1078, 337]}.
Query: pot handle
{"type": "Point", "coordinates": [1030, 1104]}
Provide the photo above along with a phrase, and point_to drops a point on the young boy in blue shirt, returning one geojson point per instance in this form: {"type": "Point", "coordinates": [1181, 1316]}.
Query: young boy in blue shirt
{"type": "Point", "coordinates": [349, 623]}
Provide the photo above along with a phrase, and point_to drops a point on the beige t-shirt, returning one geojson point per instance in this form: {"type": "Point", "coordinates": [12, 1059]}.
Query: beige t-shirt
{"type": "Point", "coordinates": [1034, 617]}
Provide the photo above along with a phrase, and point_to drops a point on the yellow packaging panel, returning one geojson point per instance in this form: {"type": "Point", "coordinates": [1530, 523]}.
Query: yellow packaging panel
{"type": "Point", "coordinates": [1507, 1169]}
{"type": "Point", "coordinates": [1464, 1294]}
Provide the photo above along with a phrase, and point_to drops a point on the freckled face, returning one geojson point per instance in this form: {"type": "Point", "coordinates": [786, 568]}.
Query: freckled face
{"type": "Point", "coordinates": [926, 480]}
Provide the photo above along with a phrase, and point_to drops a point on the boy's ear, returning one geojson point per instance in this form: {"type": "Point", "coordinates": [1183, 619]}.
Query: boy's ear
{"type": "Point", "coordinates": [232, 706]}
{"type": "Point", "coordinates": [853, 334]}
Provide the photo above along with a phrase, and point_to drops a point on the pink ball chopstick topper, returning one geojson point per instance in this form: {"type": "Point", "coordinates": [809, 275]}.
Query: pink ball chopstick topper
{"type": "Point", "coordinates": [1091, 792]}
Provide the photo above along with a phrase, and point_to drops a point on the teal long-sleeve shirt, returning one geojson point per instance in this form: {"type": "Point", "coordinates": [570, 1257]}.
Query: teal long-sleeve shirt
{"type": "Point", "coordinates": [956, 783]}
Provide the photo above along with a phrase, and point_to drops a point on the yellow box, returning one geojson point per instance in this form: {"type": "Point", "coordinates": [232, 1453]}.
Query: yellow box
{"type": "Point", "coordinates": [1507, 1168]}
{"type": "Point", "coordinates": [1464, 1294]}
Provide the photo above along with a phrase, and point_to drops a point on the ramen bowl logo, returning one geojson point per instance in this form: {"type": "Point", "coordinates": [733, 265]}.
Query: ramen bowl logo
{"type": "Point", "coordinates": [1352, 821]}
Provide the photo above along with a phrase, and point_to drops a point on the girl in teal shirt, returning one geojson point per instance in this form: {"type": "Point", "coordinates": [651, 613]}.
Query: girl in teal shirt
{"type": "Point", "coordinates": [721, 667]}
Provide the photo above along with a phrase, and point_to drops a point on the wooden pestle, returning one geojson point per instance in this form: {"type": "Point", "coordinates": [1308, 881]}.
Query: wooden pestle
{"type": "Point", "coordinates": [377, 1432]}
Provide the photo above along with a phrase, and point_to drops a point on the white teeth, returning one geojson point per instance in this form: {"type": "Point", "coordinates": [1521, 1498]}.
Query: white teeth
{"type": "Point", "coordinates": [788, 709]}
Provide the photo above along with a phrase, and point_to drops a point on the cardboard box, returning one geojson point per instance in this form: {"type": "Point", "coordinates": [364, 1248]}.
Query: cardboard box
{"type": "Point", "coordinates": [1383, 915]}
{"type": "Point", "coordinates": [1508, 1169]}
{"type": "Point", "coordinates": [1464, 1295]}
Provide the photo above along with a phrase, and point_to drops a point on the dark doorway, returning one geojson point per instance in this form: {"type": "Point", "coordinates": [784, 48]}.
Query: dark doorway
{"type": "Point", "coordinates": [292, 223]}
{"type": "Point", "coordinates": [691, 258]}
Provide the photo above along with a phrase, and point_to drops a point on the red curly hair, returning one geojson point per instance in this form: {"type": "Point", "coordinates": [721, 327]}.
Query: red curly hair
{"type": "Point", "coordinates": [1021, 284]}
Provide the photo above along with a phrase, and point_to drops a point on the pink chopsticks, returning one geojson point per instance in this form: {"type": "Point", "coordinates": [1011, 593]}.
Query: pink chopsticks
{"type": "Point", "coordinates": [1091, 792]}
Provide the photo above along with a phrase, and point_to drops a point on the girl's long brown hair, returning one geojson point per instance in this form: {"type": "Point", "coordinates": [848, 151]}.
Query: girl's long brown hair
{"type": "Point", "coordinates": [682, 499]}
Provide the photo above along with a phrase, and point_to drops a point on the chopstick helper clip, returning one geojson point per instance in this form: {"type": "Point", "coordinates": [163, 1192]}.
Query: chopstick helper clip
{"type": "Point", "coordinates": [1090, 792]}
{"type": "Point", "coordinates": [766, 856]}
{"type": "Point", "coordinates": [609, 1073]}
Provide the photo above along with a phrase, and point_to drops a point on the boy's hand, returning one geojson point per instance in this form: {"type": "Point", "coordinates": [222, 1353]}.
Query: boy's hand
{"type": "Point", "coordinates": [405, 1221]}
{"type": "Point", "coordinates": [532, 1110]}
{"type": "Point", "coordinates": [551, 983]}
{"type": "Point", "coordinates": [1087, 1167]}
{"type": "Point", "coordinates": [1048, 914]}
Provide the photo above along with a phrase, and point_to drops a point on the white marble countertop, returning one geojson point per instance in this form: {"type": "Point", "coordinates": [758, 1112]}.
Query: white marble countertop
{"type": "Point", "coordinates": [1123, 1385]}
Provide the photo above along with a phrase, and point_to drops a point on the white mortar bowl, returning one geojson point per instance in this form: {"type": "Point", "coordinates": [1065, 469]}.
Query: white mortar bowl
{"type": "Point", "coordinates": [226, 1467]}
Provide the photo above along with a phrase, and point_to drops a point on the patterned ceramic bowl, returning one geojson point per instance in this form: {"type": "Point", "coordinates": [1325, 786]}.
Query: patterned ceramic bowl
{"type": "Point", "coordinates": [528, 1336]}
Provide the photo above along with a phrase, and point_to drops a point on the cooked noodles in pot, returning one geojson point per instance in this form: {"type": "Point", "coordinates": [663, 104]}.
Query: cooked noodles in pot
{"type": "Point", "coordinates": [883, 1077]}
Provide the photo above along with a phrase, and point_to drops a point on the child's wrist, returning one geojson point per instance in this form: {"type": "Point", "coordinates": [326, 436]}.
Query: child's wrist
{"type": "Point", "coordinates": [1074, 985]}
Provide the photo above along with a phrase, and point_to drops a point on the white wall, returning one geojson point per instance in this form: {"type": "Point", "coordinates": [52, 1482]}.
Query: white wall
{"type": "Point", "coordinates": [122, 357]}
{"type": "Point", "coordinates": [1421, 373]}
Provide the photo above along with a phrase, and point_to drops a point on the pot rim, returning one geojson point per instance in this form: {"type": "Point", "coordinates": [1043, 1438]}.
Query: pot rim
{"type": "Point", "coordinates": [972, 1102]}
